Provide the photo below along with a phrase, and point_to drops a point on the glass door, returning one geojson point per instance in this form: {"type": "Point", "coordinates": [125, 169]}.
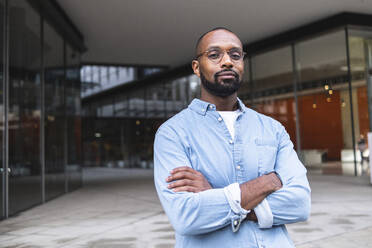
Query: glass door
{"type": "Point", "coordinates": [2, 174]}
{"type": "Point", "coordinates": [24, 107]}
{"type": "Point", "coordinates": [360, 47]}
{"type": "Point", "coordinates": [325, 124]}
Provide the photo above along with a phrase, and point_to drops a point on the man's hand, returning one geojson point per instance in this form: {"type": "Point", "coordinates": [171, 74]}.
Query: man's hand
{"type": "Point", "coordinates": [252, 216]}
{"type": "Point", "coordinates": [275, 181]}
{"type": "Point", "coordinates": [187, 179]}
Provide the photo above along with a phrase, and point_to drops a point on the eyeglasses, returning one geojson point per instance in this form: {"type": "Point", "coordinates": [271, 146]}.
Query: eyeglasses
{"type": "Point", "coordinates": [215, 55]}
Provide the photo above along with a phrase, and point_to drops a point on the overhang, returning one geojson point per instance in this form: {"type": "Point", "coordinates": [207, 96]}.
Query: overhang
{"type": "Point", "coordinates": [163, 32]}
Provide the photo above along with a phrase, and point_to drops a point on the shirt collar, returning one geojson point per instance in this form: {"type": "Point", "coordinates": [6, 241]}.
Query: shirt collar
{"type": "Point", "coordinates": [201, 107]}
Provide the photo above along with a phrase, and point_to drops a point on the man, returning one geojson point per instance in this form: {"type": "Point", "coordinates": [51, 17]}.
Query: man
{"type": "Point", "coordinates": [226, 175]}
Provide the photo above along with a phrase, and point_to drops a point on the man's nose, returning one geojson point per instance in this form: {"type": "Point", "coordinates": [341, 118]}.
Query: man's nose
{"type": "Point", "coordinates": [226, 61]}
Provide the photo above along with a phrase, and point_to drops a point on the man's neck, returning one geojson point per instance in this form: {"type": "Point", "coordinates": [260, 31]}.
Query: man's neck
{"type": "Point", "coordinates": [228, 103]}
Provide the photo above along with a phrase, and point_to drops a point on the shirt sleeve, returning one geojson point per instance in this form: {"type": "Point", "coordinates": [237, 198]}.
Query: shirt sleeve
{"type": "Point", "coordinates": [264, 214]}
{"type": "Point", "coordinates": [262, 210]}
{"type": "Point", "coordinates": [292, 202]}
{"type": "Point", "coordinates": [233, 195]}
{"type": "Point", "coordinates": [189, 213]}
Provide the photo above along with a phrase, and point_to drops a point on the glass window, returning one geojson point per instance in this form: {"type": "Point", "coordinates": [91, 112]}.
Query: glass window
{"type": "Point", "coordinates": [323, 102]}
{"type": "Point", "coordinates": [137, 103]}
{"type": "Point", "coordinates": [360, 47]}
{"type": "Point", "coordinates": [155, 101]}
{"type": "Point", "coordinates": [2, 7]}
{"type": "Point", "coordinates": [107, 108]}
{"type": "Point", "coordinates": [24, 107]}
{"type": "Point", "coordinates": [273, 87]}
{"type": "Point", "coordinates": [245, 90]}
{"type": "Point", "coordinates": [73, 118]}
{"type": "Point", "coordinates": [55, 126]}
{"type": "Point", "coordinates": [194, 87]}
{"type": "Point", "coordinates": [121, 105]}
{"type": "Point", "coordinates": [97, 78]}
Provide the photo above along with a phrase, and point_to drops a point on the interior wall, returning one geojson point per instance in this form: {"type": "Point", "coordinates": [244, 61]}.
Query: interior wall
{"type": "Point", "coordinates": [321, 127]}
{"type": "Point", "coordinates": [362, 100]}
{"type": "Point", "coordinates": [282, 110]}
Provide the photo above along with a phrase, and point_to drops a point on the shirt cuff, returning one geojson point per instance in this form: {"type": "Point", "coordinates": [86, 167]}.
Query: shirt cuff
{"type": "Point", "coordinates": [264, 214]}
{"type": "Point", "coordinates": [233, 195]}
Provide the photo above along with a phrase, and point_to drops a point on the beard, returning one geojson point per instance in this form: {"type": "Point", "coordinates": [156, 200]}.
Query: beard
{"type": "Point", "coordinates": [223, 88]}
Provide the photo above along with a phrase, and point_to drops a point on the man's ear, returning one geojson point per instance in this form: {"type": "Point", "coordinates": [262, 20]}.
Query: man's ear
{"type": "Point", "coordinates": [195, 67]}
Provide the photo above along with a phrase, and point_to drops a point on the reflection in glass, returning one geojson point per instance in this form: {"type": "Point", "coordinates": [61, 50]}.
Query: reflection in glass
{"type": "Point", "coordinates": [323, 102]}
{"type": "Point", "coordinates": [24, 107]}
{"type": "Point", "coordinates": [360, 48]}
{"type": "Point", "coordinates": [96, 78]}
{"type": "Point", "coordinates": [73, 119]}
{"type": "Point", "coordinates": [137, 103]}
{"type": "Point", "coordinates": [54, 113]}
{"type": "Point", "coordinates": [273, 87]}
{"type": "Point", "coordinates": [155, 101]}
{"type": "Point", "coordinates": [123, 137]}
{"type": "Point", "coordinates": [1, 109]}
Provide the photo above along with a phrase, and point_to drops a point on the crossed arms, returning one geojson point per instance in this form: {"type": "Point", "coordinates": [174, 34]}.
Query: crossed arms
{"type": "Point", "coordinates": [194, 207]}
{"type": "Point", "coordinates": [186, 179]}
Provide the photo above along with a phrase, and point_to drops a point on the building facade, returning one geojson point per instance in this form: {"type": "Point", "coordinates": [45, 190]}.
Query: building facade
{"type": "Point", "coordinates": [59, 114]}
{"type": "Point", "coordinates": [315, 80]}
{"type": "Point", "coordinates": [40, 108]}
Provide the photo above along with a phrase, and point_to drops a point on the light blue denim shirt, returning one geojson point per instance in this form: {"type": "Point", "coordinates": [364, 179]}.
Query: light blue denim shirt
{"type": "Point", "coordinates": [197, 137]}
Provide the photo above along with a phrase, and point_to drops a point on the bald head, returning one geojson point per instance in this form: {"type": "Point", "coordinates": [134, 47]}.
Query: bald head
{"type": "Point", "coordinates": [201, 41]}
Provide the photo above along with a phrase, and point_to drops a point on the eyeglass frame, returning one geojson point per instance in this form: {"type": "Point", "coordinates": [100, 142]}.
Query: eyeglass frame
{"type": "Point", "coordinates": [224, 51]}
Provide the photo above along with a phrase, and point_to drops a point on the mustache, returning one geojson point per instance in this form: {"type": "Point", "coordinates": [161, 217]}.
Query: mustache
{"type": "Point", "coordinates": [226, 70]}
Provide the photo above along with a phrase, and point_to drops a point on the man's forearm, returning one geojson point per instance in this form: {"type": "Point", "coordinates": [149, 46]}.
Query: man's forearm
{"type": "Point", "coordinates": [255, 191]}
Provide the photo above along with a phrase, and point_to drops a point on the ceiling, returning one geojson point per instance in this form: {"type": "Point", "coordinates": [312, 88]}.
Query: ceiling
{"type": "Point", "coordinates": [164, 32]}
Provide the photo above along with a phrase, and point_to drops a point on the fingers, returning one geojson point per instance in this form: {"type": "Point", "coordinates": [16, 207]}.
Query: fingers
{"type": "Point", "coordinates": [182, 174]}
{"type": "Point", "coordinates": [185, 179]}
{"type": "Point", "coordinates": [181, 183]}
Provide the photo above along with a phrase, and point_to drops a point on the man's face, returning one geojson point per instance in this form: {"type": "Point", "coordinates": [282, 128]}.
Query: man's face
{"type": "Point", "coordinates": [219, 77]}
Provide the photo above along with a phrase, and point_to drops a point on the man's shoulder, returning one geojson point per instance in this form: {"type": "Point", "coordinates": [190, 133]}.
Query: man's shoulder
{"type": "Point", "coordinates": [177, 122]}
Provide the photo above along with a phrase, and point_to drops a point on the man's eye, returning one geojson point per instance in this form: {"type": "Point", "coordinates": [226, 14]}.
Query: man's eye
{"type": "Point", "coordinates": [235, 56]}
{"type": "Point", "coordinates": [213, 55]}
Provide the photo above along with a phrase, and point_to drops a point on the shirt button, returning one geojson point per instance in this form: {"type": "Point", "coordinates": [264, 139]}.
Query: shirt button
{"type": "Point", "coordinates": [210, 106]}
{"type": "Point", "coordinates": [219, 119]}
{"type": "Point", "coordinates": [202, 110]}
{"type": "Point", "coordinates": [231, 141]}
{"type": "Point", "coordinates": [238, 167]}
{"type": "Point", "coordinates": [235, 222]}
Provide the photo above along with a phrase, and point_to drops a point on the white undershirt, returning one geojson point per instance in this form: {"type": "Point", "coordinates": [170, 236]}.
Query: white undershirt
{"type": "Point", "coordinates": [229, 117]}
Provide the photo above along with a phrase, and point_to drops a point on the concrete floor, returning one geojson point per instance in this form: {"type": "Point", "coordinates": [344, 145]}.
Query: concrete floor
{"type": "Point", "coordinates": [119, 208]}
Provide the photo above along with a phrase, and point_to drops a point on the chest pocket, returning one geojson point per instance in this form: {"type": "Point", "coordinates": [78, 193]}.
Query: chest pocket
{"type": "Point", "coordinates": [267, 150]}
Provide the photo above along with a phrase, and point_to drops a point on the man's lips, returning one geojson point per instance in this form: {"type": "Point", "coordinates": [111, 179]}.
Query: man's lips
{"type": "Point", "coordinates": [226, 75]}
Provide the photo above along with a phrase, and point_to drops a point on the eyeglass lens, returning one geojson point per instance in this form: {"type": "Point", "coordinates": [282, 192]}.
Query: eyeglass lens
{"type": "Point", "coordinates": [216, 55]}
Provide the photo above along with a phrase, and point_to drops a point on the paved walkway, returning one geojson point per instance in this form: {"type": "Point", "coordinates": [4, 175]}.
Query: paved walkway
{"type": "Point", "coordinates": [119, 208]}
